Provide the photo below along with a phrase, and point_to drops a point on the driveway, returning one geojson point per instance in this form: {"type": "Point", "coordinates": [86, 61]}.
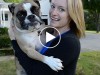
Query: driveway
{"type": "Point", "coordinates": [90, 42]}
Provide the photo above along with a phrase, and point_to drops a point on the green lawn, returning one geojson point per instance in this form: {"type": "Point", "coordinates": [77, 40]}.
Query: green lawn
{"type": "Point", "coordinates": [7, 68]}
{"type": "Point", "coordinates": [94, 32]}
{"type": "Point", "coordinates": [88, 64]}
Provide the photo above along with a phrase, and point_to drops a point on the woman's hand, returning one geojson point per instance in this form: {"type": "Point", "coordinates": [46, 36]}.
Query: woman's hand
{"type": "Point", "coordinates": [11, 32]}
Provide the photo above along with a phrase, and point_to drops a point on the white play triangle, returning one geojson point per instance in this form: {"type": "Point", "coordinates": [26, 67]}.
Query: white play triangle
{"type": "Point", "coordinates": [49, 37]}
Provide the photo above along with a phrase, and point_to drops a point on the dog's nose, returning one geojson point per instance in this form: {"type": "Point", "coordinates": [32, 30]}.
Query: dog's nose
{"type": "Point", "coordinates": [30, 17]}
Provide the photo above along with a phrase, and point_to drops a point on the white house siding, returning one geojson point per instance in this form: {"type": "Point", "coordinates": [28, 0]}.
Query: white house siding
{"type": "Point", "coordinates": [4, 10]}
{"type": "Point", "coordinates": [45, 6]}
{"type": "Point", "coordinates": [7, 23]}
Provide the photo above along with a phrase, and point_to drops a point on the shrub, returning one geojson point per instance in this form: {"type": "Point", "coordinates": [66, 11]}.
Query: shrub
{"type": "Point", "coordinates": [90, 21]}
{"type": "Point", "coordinates": [3, 31]}
{"type": "Point", "coordinates": [6, 52]}
{"type": "Point", "coordinates": [4, 41]}
{"type": "Point", "coordinates": [4, 38]}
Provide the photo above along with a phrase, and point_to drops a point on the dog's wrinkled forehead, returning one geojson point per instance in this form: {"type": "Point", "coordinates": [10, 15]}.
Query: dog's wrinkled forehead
{"type": "Point", "coordinates": [25, 6]}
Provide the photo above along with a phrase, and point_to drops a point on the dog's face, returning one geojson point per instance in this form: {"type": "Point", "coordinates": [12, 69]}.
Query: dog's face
{"type": "Point", "coordinates": [26, 15]}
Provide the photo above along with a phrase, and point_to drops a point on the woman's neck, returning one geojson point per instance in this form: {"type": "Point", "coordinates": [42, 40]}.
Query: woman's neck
{"type": "Point", "coordinates": [62, 30]}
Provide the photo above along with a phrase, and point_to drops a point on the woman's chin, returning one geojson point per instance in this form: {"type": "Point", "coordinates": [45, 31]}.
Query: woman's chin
{"type": "Point", "coordinates": [54, 24]}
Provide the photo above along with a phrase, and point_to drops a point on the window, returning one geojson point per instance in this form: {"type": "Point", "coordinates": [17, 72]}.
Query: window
{"type": "Point", "coordinates": [6, 17]}
{"type": "Point", "coordinates": [45, 21]}
{"type": "Point", "coordinates": [2, 18]}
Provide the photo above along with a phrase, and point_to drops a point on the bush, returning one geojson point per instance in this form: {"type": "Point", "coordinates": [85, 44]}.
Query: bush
{"type": "Point", "coordinates": [3, 31]}
{"type": "Point", "coordinates": [90, 21]}
{"type": "Point", "coordinates": [6, 52]}
{"type": "Point", "coordinates": [4, 41]}
{"type": "Point", "coordinates": [4, 38]}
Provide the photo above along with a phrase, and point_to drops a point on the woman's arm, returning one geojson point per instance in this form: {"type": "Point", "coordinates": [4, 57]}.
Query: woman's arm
{"type": "Point", "coordinates": [67, 50]}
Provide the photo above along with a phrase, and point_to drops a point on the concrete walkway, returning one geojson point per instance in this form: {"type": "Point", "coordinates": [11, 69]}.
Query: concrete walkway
{"type": "Point", "coordinates": [91, 42]}
{"type": "Point", "coordinates": [6, 58]}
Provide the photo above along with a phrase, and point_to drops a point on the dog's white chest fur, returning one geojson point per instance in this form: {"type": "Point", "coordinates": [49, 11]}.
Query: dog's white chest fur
{"type": "Point", "coordinates": [29, 40]}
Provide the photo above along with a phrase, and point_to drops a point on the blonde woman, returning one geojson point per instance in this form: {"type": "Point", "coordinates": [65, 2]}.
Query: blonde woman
{"type": "Point", "coordinates": [67, 16]}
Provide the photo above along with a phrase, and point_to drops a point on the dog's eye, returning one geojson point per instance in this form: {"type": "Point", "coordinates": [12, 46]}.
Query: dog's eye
{"type": "Point", "coordinates": [34, 9]}
{"type": "Point", "coordinates": [21, 14]}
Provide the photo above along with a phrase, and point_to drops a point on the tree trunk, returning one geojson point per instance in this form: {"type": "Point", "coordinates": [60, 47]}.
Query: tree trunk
{"type": "Point", "coordinates": [97, 22]}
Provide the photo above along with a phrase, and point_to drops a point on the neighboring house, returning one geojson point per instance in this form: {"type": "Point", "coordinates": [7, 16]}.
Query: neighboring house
{"type": "Point", "coordinates": [5, 15]}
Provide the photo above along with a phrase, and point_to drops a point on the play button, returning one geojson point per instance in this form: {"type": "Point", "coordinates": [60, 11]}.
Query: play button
{"type": "Point", "coordinates": [47, 37]}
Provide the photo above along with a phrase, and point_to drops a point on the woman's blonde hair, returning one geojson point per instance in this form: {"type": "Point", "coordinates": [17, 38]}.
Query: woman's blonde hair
{"type": "Point", "coordinates": [76, 13]}
{"type": "Point", "coordinates": [75, 9]}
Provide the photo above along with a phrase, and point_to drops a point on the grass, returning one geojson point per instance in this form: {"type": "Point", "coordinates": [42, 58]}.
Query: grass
{"type": "Point", "coordinates": [88, 64]}
{"type": "Point", "coordinates": [7, 68]}
{"type": "Point", "coordinates": [94, 32]}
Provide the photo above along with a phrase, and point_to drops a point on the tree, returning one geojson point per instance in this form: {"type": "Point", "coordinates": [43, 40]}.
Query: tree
{"type": "Point", "coordinates": [93, 6]}
{"type": "Point", "coordinates": [14, 1]}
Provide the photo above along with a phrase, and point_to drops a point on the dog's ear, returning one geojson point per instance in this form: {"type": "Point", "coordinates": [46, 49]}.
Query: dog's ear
{"type": "Point", "coordinates": [11, 8]}
{"type": "Point", "coordinates": [38, 3]}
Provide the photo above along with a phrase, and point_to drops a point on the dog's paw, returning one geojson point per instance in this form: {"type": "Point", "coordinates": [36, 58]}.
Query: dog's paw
{"type": "Point", "coordinates": [54, 63]}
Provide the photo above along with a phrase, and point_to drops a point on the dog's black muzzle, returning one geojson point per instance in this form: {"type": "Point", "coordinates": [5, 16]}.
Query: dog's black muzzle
{"type": "Point", "coordinates": [31, 18]}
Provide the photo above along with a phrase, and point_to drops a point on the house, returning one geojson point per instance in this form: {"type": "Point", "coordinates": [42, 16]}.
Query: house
{"type": "Point", "coordinates": [5, 15]}
{"type": "Point", "coordinates": [45, 6]}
